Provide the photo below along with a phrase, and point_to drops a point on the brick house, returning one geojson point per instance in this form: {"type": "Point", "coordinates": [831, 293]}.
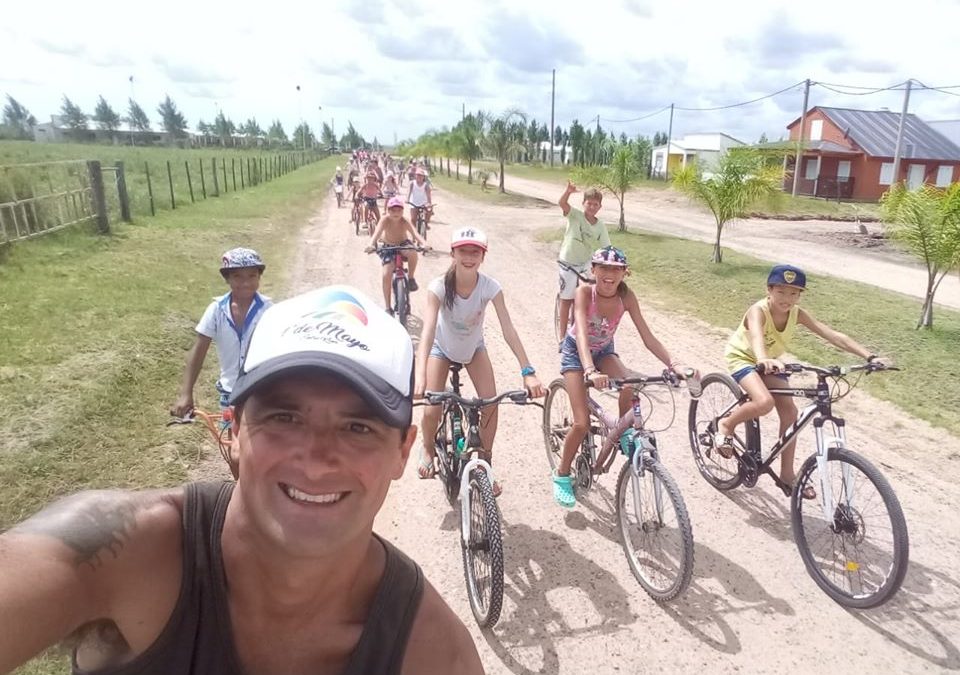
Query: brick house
{"type": "Point", "coordinates": [848, 154]}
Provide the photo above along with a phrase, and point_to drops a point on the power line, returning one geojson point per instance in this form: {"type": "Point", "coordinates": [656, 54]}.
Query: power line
{"type": "Point", "coordinates": [866, 91]}
{"type": "Point", "coordinates": [742, 103]}
{"type": "Point", "coordinates": [637, 119]}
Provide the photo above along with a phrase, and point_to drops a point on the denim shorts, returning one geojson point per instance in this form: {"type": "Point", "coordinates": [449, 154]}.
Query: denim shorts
{"type": "Point", "coordinates": [746, 370]}
{"type": "Point", "coordinates": [437, 353]}
{"type": "Point", "coordinates": [570, 358]}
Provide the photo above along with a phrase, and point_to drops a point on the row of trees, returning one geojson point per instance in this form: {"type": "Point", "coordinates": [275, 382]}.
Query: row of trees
{"type": "Point", "coordinates": [18, 123]}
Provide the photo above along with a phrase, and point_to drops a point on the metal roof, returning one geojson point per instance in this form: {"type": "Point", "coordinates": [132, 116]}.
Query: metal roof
{"type": "Point", "coordinates": [828, 147]}
{"type": "Point", "coordinates": [876, 132]}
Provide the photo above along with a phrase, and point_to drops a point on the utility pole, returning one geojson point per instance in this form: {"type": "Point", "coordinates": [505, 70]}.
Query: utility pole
{"type": "Point", "coordinates": [803, 119]}
{"type": "Point", "coordinates": [666, 154]}
{"type": "Point", "coordinates": [596, 141]}
{"type": "Point", "coordinates": [896, 153]}
{"type": "Point", "coordinates": [553, 96]}
{"type": "Point", "coordinates": [463, 111]}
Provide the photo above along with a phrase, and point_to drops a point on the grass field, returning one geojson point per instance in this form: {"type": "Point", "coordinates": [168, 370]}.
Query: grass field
{"type": "Point", "coordinates": [881, 320]}
{"type": "Point", "coordinates": [231, 163]}
{"type": "Point", "coordinates": [491, 195]}
{"type": "Point", "coordinates": [94, 331]}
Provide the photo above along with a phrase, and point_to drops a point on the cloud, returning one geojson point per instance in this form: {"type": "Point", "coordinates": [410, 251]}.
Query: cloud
{"type": "Point", "coordinates": [847, 63]}
{"type": "Point", "coordinates": [62, 47]}
{"type": "Point", "coordinates": [186, 73]}
{"type": "Point", "coordinates": [529, 44]}
{"type": "Point", "coordinates": [780, 43]}
{"type": "Point", "coordinates": [420, 42]}
{"type": "Point", "coordinates": [369, 12]}
{"type": "Point", "coordinates": [639, 7]}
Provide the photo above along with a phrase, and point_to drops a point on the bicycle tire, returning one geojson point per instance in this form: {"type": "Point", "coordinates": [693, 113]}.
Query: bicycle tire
{"type": "Point", "coordinates": [446, 455]}
{"type": "Point", "coordinates": [556, 319]}
{"type": "Point", "coordinates": [356, 222]}
{"type": "Point", "coordinates": [483, 551]}
{"type": "Point", "coordinates": [554, 421]}
{"type": "Point", "coordinates": [678, 581]}
{"type": "Point", "coordinates": [401, 301]}
{"type": "Point", "coordinates": [422, 226]}
{"type": "Point", "coordinates": [847, 515]}
{"type": "Point", "coordinates": [719, 392]}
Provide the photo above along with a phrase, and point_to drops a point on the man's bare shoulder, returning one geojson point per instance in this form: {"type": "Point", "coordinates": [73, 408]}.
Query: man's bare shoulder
{"type": "Point", "coordinates": [96, 526]}
{"type": "Point", "coordinates": [439, 642]}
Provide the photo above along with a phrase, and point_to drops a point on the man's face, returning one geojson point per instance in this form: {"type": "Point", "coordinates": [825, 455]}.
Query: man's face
{"type": "Point", "coordinates": [315, 463]}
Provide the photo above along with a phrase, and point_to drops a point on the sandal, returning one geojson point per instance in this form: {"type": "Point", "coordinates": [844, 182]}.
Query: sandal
{"type": "Point", "coordinates": [426, 468]}
{"type": "Point", "coordinates": [808, 491]}
{"type": "Point", "coordinates": [723, 445]}
{"type": "Point", "coordinates": [563, 491]}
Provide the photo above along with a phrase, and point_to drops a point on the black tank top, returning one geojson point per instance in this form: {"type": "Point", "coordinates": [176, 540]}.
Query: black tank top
{"type": "Point", "coordinates": [197, 639]}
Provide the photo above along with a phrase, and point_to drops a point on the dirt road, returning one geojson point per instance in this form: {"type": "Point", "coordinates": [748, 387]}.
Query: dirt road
{"type": "Point", "coordinates": [803, 244]}
{"type": "Point", "coordinates": [572, 605]}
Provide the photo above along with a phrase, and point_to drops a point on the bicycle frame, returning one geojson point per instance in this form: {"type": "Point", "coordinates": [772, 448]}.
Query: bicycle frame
{"type": "Point", "coordinates": [819, 411]}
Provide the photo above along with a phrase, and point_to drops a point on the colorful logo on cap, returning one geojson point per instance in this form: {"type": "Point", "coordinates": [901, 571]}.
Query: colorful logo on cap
{"type": "Point", "coordinates": [340, 303]}
{"type": "Point", "coordinates": [789, 276]}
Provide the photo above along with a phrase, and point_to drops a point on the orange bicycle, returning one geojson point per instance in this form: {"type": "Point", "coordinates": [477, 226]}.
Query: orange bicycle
{"type": "Point", "coordinates": [219, 427]}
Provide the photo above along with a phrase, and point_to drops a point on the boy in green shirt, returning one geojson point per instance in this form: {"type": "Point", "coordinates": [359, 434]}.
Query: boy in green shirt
{"type": "Point", "coordinates": [584, 235]}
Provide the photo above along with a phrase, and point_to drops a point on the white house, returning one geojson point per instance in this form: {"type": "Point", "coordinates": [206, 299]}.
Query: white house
{"type": "Point", "coordinates": [544, 150]}
{"type": "Point", "coordinates": [703, 148]}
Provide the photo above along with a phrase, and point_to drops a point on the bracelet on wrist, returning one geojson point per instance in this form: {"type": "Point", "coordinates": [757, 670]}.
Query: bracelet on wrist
{"type": "Point", "coordinates": [526, 371]}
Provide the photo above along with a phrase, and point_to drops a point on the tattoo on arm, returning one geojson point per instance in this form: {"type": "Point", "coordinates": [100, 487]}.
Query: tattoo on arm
{"type": "Point", "coordinates": [92, 524]}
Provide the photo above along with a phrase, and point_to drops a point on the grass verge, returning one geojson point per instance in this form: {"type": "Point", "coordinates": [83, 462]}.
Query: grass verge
{"type": "Point", "coordinates": [881, 320]}
{"type": "Point", "coordinates": [789, 207]}
{"type": "Point", "coordinates": [489, 196]}
{"type": "Point", "coordinates": [94, 331]}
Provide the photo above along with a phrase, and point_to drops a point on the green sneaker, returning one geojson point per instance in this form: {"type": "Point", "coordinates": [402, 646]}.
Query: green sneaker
{"type": "Point", "coordinates": [563, 491]}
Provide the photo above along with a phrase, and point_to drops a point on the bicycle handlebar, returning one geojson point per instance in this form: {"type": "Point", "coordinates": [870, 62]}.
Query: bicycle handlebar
{"type": "Point", "coordinates": [831, 371]}
{"type": "Point", "coordinates": [518, 396]}
{"type": "Point", "coordinates": [403, 247]}
{"type": "Point", "coordinates": [668, 377]}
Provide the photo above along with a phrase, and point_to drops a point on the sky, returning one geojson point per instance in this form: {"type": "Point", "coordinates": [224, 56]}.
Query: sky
{"type": "Point", "coordinates": [398, 69]}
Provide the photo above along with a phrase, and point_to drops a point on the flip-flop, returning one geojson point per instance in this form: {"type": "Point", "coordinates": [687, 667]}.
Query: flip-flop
{"type": "Point", "coordinates": [563, 491]}
{"type": "Point", "coordinates": [723, 445]}
{"type": "Point", "coordinates": [426, 468]}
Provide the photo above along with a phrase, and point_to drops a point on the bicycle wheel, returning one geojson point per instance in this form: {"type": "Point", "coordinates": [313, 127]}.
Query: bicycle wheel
{"type": "Point", "coordinates": [655, 530]}
{"type": "Point", "coordinates": [557, 420]}
{"type": "Point", "coordinates": [560, 330]}
{"type": "Point", "coordinates": [401, 300]}
{"type": "Point", "coordinates": [356, 222]}
{"type": "Point", "coordinates": [448, 461]}
{"type": "Point", "coordinates": [720, 395]}
{"type": "Point", "coordinates": [859, 556]}
{"type": "Point", "coordinates": [483, 553]}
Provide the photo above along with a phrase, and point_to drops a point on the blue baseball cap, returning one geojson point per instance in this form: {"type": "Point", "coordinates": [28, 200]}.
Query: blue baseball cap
{"type": "Point", "coordinates": [787, 275]}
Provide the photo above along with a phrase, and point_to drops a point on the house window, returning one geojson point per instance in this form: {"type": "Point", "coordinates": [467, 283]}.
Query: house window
{"type": "Point", "coordinates": [813, 168]}
{"type": "Point", "coordinates": [886, 173]}
{"type": "Point", "coordinates": [843, 170]}
{"type": "Point", "coordinates": [944, 175]}
{"type": "Point", "coordinates": [816, 130]}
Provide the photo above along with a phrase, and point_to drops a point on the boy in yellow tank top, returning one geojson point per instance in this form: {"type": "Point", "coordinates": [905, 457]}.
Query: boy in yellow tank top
{"type": "Point", "coordinates": [763, 336]}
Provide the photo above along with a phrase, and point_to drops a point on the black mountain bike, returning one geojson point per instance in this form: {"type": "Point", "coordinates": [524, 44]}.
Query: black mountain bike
{"type": "Point", "coordinates": [464, 470]}
{"type": "Point", "coordinates": [852, 536]}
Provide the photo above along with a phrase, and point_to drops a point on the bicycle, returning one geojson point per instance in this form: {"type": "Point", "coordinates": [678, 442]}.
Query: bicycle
{"type": "Point", "coordinates": [421, 219]}
{"type": "Point", "coordinates": [356, 215]}
{"type": "Point", "coordinates": [338, 190]}
{"type": "Point", "coordinates": [844, 574]}
{"type": "Point", "coordinates": [370, 216]}
{"type": "Point", "coordinates": [562, 330]}
{"type": "Point", "coordinates": [219, 427]}
{"type": "Point", "coordinates": [467, 478]}
{"type": "Point", "coordinates": [401, 282]}
{"type": "Point", "coordinates": [658, 545]}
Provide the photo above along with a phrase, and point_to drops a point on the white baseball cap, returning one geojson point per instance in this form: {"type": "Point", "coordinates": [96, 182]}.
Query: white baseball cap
{"type": "Point", "coordinates": [469, 236]}
{"type": "Point", "coordinates": [339, 330]}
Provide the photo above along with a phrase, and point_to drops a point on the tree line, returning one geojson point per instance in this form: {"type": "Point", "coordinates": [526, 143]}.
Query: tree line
{"type": "Point", "coordinates": [18, 123]}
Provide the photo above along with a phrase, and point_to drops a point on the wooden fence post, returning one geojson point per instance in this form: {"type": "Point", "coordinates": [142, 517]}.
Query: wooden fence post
{"type": "Point", "coordinates": [99, 198]}
{"type": "Point", "coordinates": [233, 172]}
{"type": "Point", "coordinates": [243, 186]}
{"type": "Point", "coordinates": [203, 182]}
{"type": "Point", "coordinates": [173, 201]}
{"type": "Point", "coordinates": [223, 165]}
{"type": "Point", "coordinates": [122, 195]}
{"type": "Point", "coordinates": [216, 186]}
{"type": "Point", "coordinates": [186, 165]}
{"type": "Point", "coordinates": [153, 210]}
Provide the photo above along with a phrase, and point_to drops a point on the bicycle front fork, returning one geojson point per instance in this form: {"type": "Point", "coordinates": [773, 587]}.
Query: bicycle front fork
{"type": "Point", "coordinates": [824, 445]}
{"type": "Point", "coordinates": [464, 495]}
{"type": "Point", "coordinates": [644, 447]}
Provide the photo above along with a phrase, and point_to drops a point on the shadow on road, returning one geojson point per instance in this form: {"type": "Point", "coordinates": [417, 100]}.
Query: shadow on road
{"type": "Point", "coordinates": [540, 569]}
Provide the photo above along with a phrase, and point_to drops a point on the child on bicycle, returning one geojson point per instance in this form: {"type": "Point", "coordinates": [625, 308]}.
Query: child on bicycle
{"type": "Point", "coordinates": [395, 230]}
{"type": "Point", "coordinates": [453, 333]}
{"type": "Point", "coordinates": [587, 353]}
{"type": "Point", "coordinates": [229, 322]}
{"type": "Point", "coordinates": [370, 194]}
{"type": "Point", "coordinates": [763, 335]}
{"type": "Point", "coordinates": [585, 233]}
{"type": "Point", "coordinates": [420, 195]}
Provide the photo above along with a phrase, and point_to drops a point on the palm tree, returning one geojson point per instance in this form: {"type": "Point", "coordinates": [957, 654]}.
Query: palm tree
{"type": "Point", "coordinates": [927, 222]}
{"type": "Point", "coordinates": [741, 179]}
{"type": "Point", "coordinates": [470, 130]}
{"type": "Point", "coordinates": [501, 139]}
{"type": "Point", "coordinates": [623, 173]}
